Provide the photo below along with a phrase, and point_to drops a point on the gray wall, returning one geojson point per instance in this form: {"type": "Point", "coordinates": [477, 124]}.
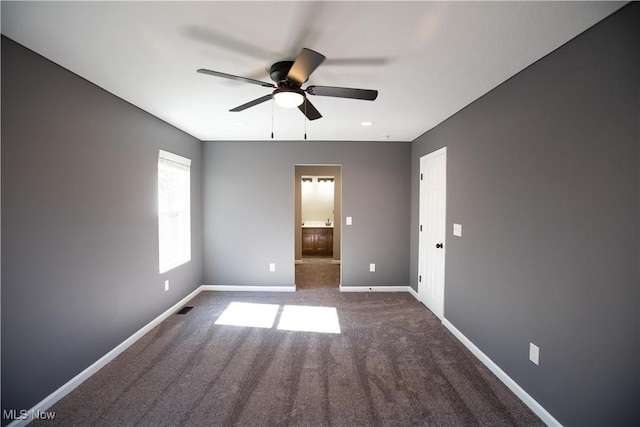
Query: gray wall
{"type": "Point", "coordinates": [249, 207]}
{"type": "Point", "coordinates": [79, 226]}
{"type": "Point", "coordinates": [543, 175]}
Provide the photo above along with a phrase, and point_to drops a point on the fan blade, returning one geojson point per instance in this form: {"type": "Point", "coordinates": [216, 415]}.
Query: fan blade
{"type": "Point", "coordinates": [232, 77]}
{"type": "Point", "coordinates": [306, 62]}
{"type": "Point", "coordinates": [252, 103]}
{"type": "Point", "coordinates": [305, 31]}
{"type": "Point", "coordinates": [210, 37]}
{"type": "Point", "coordinates": [309, 110]}
{"type": "Point", "coordinates": [343, 92]}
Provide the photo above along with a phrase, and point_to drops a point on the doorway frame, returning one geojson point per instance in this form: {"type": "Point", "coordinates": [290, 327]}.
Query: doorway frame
{"type": "Point", "coordinates": [337, 217]}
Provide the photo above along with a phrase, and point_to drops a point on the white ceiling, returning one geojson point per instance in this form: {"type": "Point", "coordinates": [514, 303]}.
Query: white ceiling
{"type": "Point", "coordinates": [428, 60]}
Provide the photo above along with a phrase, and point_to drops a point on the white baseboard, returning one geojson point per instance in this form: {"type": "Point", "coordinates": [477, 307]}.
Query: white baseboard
{"type": "Point", "coordinates": [374, 288]}
{"type": "Point", "coordinates": [74, 382]}
{"type": "Point", "coordinates": [414, 293]}
{"type": "Point", "coordinates": [545, 416]}
{"type": "Point", "coordinates": [248, 288]}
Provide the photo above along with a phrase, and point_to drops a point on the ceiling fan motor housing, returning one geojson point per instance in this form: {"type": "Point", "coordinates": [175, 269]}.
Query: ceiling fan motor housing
{"type": "Point", "coordinates": [279, 71]}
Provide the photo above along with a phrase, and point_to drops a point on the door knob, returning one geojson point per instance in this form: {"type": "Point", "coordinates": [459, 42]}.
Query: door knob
{"type": "Point", "coordinates": [439, 245]}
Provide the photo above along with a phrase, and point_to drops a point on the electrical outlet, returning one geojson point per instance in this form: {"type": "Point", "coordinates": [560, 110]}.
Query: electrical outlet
{"type": "Point", "coordinates": [534, 353]}
{"type": "Point", "coordinates": [349, 220]}
{"type": "Point", "coordinates": [166, 285]}
{"type": "Point", "coordinates": [372, 267]}
{"type": "Point", "coordinates": [272, 267]}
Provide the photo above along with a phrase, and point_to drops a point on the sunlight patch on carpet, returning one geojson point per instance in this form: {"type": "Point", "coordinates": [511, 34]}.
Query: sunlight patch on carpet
{"type": "Point", "coordinates": [302, 318]}
{"type": "Point", "coordinates": [249, 314]}
{"type": "Point", "coordinates": [309, 319]}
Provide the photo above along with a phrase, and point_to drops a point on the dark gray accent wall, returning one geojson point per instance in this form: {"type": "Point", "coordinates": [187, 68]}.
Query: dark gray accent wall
{"type": "Point", "coordinates": [249, 210]}
{"type": "Point", "coordinates": [543, 175]}
{"type": "Point", "coordinates": [79, 224]}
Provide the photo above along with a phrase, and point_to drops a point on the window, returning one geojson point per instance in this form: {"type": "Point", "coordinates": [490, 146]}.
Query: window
{"type": "Point", "coordinates": [174, 210]}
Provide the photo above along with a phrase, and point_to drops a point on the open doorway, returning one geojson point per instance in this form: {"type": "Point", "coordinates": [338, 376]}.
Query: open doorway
{"type": "Point", "coordinates": [318, 204]}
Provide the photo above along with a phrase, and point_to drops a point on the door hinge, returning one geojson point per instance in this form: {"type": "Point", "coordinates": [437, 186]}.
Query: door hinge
{"type": "Point", "coordinates": [421, 177]}
{"type": "Point", "coordinates": [420, 278]}
{"type": "Point", "coordinates": [420, 227]}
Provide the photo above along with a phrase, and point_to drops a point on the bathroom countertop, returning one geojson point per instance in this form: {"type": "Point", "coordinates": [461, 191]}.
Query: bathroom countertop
{"type": "Point", "coordinates": [316, 224]}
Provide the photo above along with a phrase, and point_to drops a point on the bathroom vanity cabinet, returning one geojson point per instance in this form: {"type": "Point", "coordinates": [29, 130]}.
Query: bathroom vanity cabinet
{"type": "Point", "coordinates": [317, 241]}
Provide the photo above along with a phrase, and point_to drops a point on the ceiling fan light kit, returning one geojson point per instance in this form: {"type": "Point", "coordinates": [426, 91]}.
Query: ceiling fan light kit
{"type": "Point", "coordinates": [288, 97]}
{"type": "Point", "coordinates": [289, 77]}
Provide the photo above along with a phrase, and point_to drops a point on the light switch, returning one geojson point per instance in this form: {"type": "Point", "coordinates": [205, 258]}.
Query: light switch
{"type": "Point", "coordinates": [457, 230]}
{"type": "Point", "coordinates": [349, 220]}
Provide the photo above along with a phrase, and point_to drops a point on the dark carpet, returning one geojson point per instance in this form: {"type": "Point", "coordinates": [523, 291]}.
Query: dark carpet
{"type": "Point", "coordinates": [316, 273]}
{"type": "Point", "coordinates": [391, 364]}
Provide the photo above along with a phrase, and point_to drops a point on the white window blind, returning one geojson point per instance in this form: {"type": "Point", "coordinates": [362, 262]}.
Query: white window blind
{"type": "Point", "coordinates": [174, 210]}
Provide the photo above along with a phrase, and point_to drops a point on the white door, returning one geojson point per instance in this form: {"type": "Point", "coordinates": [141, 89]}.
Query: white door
{"type": "Point", "coordinates": [432, 245]}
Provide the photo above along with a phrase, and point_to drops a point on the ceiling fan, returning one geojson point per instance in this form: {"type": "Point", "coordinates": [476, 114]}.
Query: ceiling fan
{"type": "Point", "coordinates": [289, 76]}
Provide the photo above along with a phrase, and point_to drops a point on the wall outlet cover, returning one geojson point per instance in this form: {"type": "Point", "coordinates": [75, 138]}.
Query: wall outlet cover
{"type": "Point", "coordinates": [272, 267]}
{"type": "Point", "coordinates": [457, 230]}
{"type": "Point", "coordinates": [166, 285]}
{"type": "Point", "coordinates": [534, 353]}
{"type": "Point", "coordinates": [349, 220]}
{"type": "Point", "coordinates": [372, 267]}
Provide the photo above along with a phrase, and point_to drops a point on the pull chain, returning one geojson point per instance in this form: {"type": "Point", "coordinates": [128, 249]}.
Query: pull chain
{"type": "Point", "coordinates": [305, 119]}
